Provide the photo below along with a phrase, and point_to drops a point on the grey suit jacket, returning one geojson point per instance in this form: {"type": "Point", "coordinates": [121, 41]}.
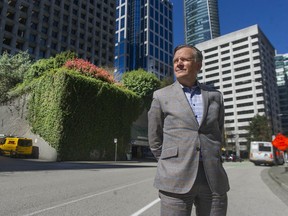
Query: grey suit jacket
{"type": "Point", "coordinates": [175, 138]}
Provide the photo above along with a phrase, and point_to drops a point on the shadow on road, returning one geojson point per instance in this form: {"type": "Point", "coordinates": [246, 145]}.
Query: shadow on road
{"type": "Point", "coordinates": [13, 165]}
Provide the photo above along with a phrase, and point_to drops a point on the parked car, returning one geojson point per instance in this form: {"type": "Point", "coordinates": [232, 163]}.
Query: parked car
{"type": "Point", "coordinates": [18, 146]}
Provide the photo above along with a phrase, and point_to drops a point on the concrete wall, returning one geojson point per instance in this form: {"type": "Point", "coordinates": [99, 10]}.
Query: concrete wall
{"type": "Point", "coordinates": [13, 115]}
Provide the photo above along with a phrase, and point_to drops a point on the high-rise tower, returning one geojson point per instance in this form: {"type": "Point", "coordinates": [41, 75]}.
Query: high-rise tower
{"type": "Point", "coordinates": [241, 65]}
{"type": "Point", "coordinates": [144, 37]}
{"type": "Point", "coordinates": [201, 20]}
{"type": "Point", "coordinates": [46, 28]}
{"type": "Point", "coordinates": [281, 62]}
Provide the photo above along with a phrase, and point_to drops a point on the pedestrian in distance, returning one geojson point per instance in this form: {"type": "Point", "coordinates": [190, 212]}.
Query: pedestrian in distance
{"type": "Point", "coordinates": [185, 130]}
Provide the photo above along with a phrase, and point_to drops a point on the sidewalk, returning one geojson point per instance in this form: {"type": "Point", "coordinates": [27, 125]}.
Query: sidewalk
{"type": "Point", "coordinates": [280, 175]}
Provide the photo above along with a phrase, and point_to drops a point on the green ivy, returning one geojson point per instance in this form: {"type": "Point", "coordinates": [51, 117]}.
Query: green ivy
{"type": "Point", "coordinates": [80, 116]}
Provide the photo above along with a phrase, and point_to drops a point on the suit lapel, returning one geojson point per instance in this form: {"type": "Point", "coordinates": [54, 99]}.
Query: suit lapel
{"type": "Point", "coordinates": [181, 97]}
{"type": "Point", "coordinates": [205, 100]}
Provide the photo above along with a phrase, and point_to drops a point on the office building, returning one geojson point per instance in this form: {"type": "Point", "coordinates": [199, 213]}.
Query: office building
{"type": "Point", "coordinates": [46, 28]}
{"type": "Point", "coordinates": [281, 62]}
{"type": "Point", "coordinates": [144, 37]}
{"type": "Point", "coordinates": [201, 21]}
{"type": "Point", "coordinates": [241, 65]}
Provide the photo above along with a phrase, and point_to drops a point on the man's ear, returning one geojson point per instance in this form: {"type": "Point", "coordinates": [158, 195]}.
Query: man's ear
{"type": "Point", "coordinates": [199, 64]}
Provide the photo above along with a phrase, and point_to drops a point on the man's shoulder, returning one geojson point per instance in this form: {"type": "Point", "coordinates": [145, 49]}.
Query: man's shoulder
{"type": "Point", "coordinates": [165, 89]}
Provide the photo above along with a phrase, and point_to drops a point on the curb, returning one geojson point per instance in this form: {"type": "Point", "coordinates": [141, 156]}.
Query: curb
{"type": "Point", "coordinates": [278, 180]}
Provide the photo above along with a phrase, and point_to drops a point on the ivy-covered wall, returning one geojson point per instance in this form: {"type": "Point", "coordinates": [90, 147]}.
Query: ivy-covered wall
{"type": "Point", "coordinates": [80, 116]}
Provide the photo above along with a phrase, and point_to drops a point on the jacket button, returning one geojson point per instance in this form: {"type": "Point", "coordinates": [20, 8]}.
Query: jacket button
{"type": "Point", "coordinates": [197, 148]}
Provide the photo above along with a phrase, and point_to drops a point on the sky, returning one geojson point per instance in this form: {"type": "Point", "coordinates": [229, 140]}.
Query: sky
{"type": "Point", "coordinates": [270, 15]}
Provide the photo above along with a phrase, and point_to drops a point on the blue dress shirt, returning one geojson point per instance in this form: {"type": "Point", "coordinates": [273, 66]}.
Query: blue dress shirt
{"type": "Point", "coordinates": [194, 97]}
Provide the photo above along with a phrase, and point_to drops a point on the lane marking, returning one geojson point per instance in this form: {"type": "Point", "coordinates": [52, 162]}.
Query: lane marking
{"type": "Point", "coordinates": [146, 207]}
{"type": "Point", "coordinates": [86, 197]}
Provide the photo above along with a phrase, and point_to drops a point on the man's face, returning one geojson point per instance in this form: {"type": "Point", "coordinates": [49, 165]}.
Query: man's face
{"type": "Point", "coordinates": [186, 66]}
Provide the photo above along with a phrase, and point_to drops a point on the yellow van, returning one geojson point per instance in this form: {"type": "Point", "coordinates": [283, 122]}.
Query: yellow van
{"type": "Point", "coordinates": [16, 146]}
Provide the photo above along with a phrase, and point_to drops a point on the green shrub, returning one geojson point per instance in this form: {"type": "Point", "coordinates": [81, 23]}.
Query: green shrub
{"type": "Point", "coordinates": [142, 83]}
{"type": "Point", "coordinates": [43, 65]}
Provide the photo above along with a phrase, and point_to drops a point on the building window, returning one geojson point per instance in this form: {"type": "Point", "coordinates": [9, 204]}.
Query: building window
{"type": "Point", "coordinates": [54, 34]}
{"type": "Point", "coordinates": [211, 56]}
{"type": "Point", "coordinates": [10, 15]}
{"type": "Point", "coordinates": [225, 52]}
{"type": "Point", "coordinates": [240, 48]}
{"type": "Point", "coordinates": [227, 85]}
{"type": "Point", "coordinates": [7, 41]}
{"type": "Point", "coordinates": [226, 78]}
{"type": "Point", "coordinates": [42, 53]}
{"type": "Point", "coordinates": [31, 50]}
{"type": "Point", "coordinates": [43, 42]}
{"type": "Point", "coordinates": [244, 97]}
{"type": "Point", "coordinates": [22, 20]}
{"type": "Point", "coordinates": [32, 38]}
{"type": "Point", "coordinates": [9, 28]}
{"type": "Point", "coordinates": [21, 33]}
{"type": "Point", "coordinates": [228, 99]}
{"type": "Point", "coordinates": [227, 92]}
{"type": "Point", "coordinates": [44, 30]}
{"type": "Point", "coordinates": [34, 26]}
{"type": "Point", "coordinates": [245, 104]}
{"type": "Point", "coordinates": [23, 8]}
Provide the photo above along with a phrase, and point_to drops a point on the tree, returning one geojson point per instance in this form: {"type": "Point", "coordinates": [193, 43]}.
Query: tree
{"type": "Point", "coordinates": [43, 65]}
{"type": "Point", "coordinates": [142, 83]}
{"type": "Point", "coordinates": [12, 71]}
{"type": "Point", "coordinates": [167, 81]}
{"type": "Point", "coordinates": [259, 129]}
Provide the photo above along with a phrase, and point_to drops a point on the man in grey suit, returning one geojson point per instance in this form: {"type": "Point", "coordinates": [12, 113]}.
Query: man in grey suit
{"type": "Point", "coordinates": [185, 133]}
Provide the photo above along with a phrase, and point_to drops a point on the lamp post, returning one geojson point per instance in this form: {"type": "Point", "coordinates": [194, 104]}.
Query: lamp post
{"type": "Point", "coordinates": [115, 141]}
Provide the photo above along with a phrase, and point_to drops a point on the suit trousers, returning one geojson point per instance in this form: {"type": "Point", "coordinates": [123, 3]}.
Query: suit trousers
{"type": "Point", "coordinates": [206, 203]}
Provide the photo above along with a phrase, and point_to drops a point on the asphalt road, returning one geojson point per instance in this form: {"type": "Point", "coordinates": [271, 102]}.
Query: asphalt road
{"type": "Point", "coordinates": [33, 187]}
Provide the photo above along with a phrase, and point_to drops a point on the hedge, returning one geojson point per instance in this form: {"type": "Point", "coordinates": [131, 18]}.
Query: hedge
{"type": "Point", "coordinates": [80, 116]}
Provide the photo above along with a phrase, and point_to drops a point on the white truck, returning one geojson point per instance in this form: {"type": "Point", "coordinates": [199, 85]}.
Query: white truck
{"type": "Point", "coordinates": [265, 153]}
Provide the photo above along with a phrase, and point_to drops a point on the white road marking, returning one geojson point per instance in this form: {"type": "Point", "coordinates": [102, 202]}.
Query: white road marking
{"type": "Point", "coordinates": [86, 197]}
{"type": "Point", "coordinates": [146, 207]}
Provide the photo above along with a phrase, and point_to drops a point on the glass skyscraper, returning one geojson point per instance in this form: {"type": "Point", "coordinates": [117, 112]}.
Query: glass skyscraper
{"type": "Point", "coordinates": [281, 62]}
{"type": "Point", "coordinates": [201, 20]}
{"type": "Point", "coordinates": [144, 37]}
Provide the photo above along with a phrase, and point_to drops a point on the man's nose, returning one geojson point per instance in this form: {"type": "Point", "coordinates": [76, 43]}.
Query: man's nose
{"type": "Point", "coordinates": [179, 61]}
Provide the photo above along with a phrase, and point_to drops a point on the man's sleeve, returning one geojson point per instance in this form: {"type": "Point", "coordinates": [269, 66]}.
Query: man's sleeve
{"type": "Point", "coordinates": [221, 116]}
{"type": "Point", "coordinates": [155, 127]}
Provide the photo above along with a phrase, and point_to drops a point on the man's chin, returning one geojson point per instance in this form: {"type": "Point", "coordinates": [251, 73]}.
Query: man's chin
{"type": "Point", "coordinates": [180, 76]}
